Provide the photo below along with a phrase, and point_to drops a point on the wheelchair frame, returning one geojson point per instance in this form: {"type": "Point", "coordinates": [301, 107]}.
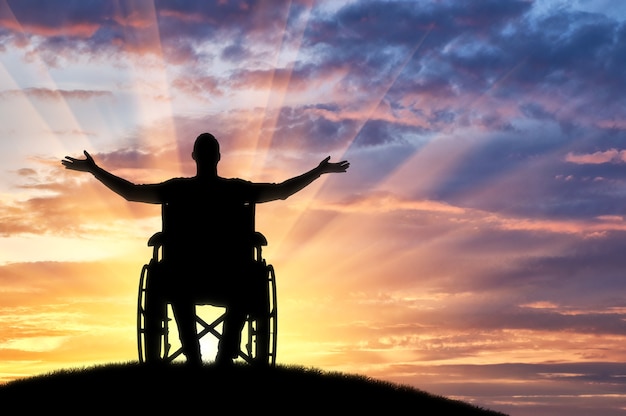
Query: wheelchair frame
{"type": "Point", "coordinates": [261, 328]}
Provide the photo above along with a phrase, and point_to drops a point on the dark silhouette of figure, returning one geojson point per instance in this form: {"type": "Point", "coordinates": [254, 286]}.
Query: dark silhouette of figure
{"type": "Point", "coordinates": [206, 242]}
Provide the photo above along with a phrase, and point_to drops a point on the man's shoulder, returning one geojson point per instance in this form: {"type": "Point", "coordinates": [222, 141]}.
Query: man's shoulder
{"type": "Point", "coordinates": [219, 179]}
{"type": "Point", "coordinates": [236, 181]}
{"type": "Point", "coordinates": [179, 179]}
{"type": "Point", "coordinates": [195, 181]}
{"type": "Point", "coordinates": [176, 181]}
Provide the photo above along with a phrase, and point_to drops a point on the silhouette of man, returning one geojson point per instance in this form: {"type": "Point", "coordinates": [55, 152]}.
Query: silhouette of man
{"type": "Point", "coordinates": [207, 252]}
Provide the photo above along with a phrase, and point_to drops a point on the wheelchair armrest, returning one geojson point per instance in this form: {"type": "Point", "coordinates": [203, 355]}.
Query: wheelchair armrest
{"type": "Point", "coordinates": [259, 240]}
{"type": "Point", "coordinates": [156, 240]}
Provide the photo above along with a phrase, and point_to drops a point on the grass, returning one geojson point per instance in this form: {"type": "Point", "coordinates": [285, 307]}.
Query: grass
{"type": "Point", "coordinates": [242, 388]}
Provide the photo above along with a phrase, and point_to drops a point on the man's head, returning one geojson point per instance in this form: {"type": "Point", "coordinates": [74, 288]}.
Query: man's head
{"type": "Point", "coordinates": [206, 150]}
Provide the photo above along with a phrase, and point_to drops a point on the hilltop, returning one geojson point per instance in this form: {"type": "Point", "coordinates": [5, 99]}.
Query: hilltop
{"type": "Point", "coordinates": [131, 386]}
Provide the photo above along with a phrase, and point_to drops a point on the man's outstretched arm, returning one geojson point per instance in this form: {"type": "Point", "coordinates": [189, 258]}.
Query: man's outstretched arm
{"type": "Point", "coordinates": [291, 186]}
{"type": "Point", "coordinates": [122, 187]}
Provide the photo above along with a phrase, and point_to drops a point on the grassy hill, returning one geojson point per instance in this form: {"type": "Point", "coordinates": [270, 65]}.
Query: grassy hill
{"type": "Point", "coordinates": [177, 388]}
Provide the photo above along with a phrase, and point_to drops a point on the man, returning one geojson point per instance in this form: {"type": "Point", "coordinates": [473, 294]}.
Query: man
{"type": "Point", "coordinates": [202, 227]}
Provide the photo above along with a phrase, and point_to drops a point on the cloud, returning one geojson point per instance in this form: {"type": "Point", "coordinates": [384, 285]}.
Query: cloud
{"type": "Point", "coordinates": [56, 313]}
{"type": "Point", "coordinates": [59, 202]}
{"type": "Point", "coordinates": [385, 202]}
{"type": "Point", "coordinates": [44, 19]}
{"type": "Point", "coordinates": [607, 156]}
{"type": "Point", "coordinates": [462, 53]}
{"type": "Point", "coordinates": [26, 172]}
{"type": "Point", "coordinates": [199, 87]}
{"type": "Point", "coordinates": [56, 95]}
{"type": "Point", "coordinates": [179, 28]}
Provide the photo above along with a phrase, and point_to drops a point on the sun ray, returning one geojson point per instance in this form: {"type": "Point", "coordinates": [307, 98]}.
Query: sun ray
{"type": "Point", "coordinates": [369, 112]}
{"type": "Point", "coordinates": [46, 80]}
{"type": "Point", "coordinates": [152, 95]}
{"type": "Point", "coordinates": [375, 104]}
{"type": "Point", "coordinates": [278, 87]}
{"type": "Point", "coordinates": [46, 88]}
{"type": "Point", "coordinates": [53, 125]}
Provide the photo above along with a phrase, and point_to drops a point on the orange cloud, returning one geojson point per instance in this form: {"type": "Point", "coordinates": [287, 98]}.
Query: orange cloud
{"type": "Point", "coordinates": [78, 206]}
{"type": "Point", "coordinates": [381, 201]}
{"type": "Point", "coordinates": [83, 30]}
{"type": "Point", "coordinates": [54, 314]}
{"type": "Point", "coordinates": [199, 86]}
{"type": "Point", "coordinates": [607, 156]}
{"type": "Point", "coordinates": [56, 95]}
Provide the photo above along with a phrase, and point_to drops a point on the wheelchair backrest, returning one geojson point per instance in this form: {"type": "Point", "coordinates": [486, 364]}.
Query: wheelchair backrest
{"type": "Point", "coordinates": [222, 233]}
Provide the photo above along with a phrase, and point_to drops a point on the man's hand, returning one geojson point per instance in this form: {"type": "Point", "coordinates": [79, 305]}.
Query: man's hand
{"type": "Point", "coordinates": [326, 167]}
{"type": "Point", "coordinates": [82, 165]}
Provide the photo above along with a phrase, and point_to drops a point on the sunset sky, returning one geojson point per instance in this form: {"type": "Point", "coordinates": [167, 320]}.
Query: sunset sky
{"type": "Point", "coordinates": [475, 249]}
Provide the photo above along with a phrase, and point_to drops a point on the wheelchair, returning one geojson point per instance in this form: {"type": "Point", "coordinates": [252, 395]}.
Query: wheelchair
{"type": "Point", "coordinates": [258, 346]}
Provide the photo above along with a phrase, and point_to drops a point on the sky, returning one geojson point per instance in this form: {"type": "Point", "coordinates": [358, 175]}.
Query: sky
{"type": "Point", "coordinates": [474, 249]}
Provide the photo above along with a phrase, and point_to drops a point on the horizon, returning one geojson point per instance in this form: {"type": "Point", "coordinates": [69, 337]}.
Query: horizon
{"type": "Point", "coordinates": [473, 249]}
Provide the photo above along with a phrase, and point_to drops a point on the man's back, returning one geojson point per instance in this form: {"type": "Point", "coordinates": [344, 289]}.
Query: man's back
{"type": "Point", "coordinates": [208, 222]}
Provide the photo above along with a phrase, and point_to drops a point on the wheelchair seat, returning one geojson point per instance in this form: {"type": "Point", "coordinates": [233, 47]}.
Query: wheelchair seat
{"type": "Point", "coordinates": [154, 308]}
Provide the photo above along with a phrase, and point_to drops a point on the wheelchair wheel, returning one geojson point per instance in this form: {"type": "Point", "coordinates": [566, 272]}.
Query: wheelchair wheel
{"type": "Point", "coordinates": [152, 321]}
{"type": "Point", "coordinates": [260, 330]}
